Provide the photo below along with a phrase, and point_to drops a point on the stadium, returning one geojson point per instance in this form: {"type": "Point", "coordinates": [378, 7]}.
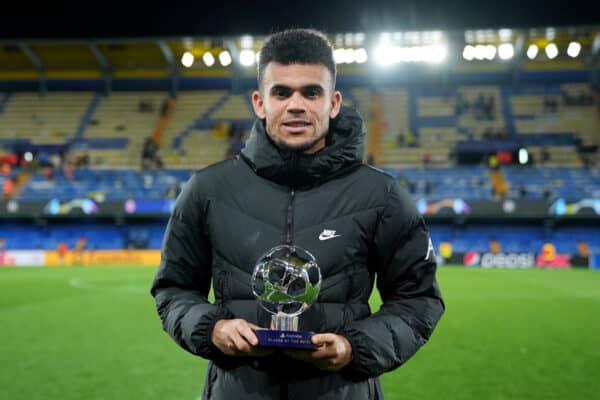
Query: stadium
{"type": "Point", "coordinates": [493, 131]}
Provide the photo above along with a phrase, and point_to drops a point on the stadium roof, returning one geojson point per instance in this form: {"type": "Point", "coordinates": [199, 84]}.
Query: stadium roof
{"type": "Point", "coordinates": [172, 18]}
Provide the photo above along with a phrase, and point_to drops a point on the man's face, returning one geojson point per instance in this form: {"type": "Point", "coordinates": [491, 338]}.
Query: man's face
{"type": "Point", "coordinates": [297, 101]}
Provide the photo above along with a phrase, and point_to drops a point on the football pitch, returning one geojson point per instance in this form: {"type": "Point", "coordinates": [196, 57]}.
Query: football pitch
{"type": "Point", "coordinates": [93, 333]}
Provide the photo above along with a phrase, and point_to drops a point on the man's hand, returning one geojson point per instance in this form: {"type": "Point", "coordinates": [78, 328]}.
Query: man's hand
{"type": "Point", "coordinates": [235, 337]}
{"type": "Point", "coordinates": [333, 352]}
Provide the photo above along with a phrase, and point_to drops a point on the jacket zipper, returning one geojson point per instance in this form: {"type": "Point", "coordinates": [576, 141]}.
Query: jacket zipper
{"type": "Point", "coordinates": [290, 219]}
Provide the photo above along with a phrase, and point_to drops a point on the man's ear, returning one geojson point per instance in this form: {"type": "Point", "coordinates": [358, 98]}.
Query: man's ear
{"type": "Point", "coordinates": [258, 104]}
{"type": "Point", "coordinates": [336, 104]}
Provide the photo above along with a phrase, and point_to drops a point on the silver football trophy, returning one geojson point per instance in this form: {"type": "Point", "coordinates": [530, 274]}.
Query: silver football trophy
{"type": "Point", "coordinates": [286, 281]}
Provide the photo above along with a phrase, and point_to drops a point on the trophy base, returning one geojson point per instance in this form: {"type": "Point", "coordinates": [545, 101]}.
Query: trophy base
{"type": "Point", "coordinates": [285, 339]}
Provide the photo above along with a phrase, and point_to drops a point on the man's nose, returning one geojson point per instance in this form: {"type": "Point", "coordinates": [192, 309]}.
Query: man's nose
{"type": "Point", "coordinates": [296, 103]}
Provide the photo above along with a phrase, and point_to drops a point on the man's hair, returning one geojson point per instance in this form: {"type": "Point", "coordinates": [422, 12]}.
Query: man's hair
{"type": "Point", "coordinates": [297, 46]}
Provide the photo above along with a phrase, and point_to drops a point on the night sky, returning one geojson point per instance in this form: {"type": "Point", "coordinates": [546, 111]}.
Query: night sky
{"type": "Point", "coordinates": [89, 19]}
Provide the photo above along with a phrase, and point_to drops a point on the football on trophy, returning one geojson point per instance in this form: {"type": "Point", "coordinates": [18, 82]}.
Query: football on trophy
{"type": "Point", "coordinates": [286, 280]}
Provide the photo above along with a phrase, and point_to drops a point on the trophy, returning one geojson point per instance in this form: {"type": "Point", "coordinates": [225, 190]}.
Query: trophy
{"type": "Point", "coordinates": [286, 281]}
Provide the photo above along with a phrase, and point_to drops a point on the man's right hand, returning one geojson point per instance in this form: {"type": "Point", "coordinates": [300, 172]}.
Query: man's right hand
{"type": "Point", "coordinates": [235, 337]}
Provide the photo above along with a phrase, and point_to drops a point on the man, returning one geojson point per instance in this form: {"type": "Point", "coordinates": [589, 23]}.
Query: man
{"type": "Point", "coordinates": [300, 180]}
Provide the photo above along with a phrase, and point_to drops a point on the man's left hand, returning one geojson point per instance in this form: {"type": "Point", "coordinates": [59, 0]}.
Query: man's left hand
{"type": "Point", "coordinates": [333, 352]}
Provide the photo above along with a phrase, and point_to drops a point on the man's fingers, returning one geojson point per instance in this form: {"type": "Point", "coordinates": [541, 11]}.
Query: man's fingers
{"type": "Point", "coordinates": [246, 332]}
{"type": "Point", "coordinates": [240, 344]}
{"type": "Point", "coordinates": [234, 337]}
{"type": "Point", "coordinates": [323, 339]}
{"type": "Point", "coordinates": [323, 353]}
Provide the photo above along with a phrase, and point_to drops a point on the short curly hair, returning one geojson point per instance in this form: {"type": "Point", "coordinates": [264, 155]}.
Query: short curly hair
{"type": "Point", "coordinates": [297, 46]}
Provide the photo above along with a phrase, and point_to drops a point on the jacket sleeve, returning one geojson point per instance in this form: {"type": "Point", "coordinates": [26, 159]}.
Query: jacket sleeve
{"type": "Point", "coordinates": [182, 282]}
{"type": "Point", "coordinates": [404, 261]}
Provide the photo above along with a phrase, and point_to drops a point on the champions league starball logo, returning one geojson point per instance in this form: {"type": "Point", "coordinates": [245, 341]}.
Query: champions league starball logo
{"type": "Point", "coordinates": [286, 280]}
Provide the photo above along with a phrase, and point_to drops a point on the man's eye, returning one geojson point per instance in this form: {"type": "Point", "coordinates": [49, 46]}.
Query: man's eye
{"type": "Point", "coordinates": [312, 93]}
{"type": "Point", "coordinates": [281, 92]}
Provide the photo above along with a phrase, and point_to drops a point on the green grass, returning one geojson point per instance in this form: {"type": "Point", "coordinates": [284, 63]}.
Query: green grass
{"type": "Point", "coordinates": [93, 333]}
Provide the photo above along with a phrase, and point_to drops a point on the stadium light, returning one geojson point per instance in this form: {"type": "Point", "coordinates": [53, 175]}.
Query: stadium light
{"type": "Point", "coordinates": [338, 56]}
{"type": "Point", "coordinates": [551, 51]}
{"type": "Point", "coordinates": [436, 53]}
{"type": "Point", "coordinates": [247, 58]}
{"type": "Point", "coordinates": [208, 58]}
{"type": "Point", "coordinates": [384, 54]}
{"type": "Point", "coordinates": [187, 59]}
{"type": "Point", "coordinates": [506, 51]}
{"type": "Point", "coordinates": [469, 52]}
{"type": "Point", "coordinates": [490, 52]}
{"type": "Point", "coordinates": [532, 51]}
{"type": "Point", "coordinates": [574, 49]}
{"type": "Point", "coordinates": [505, 34]}
{"type": "Point", "coordinates": [246, 41]}
{"type": "Point", "coordinates": [225, 58]}
{"type": "Point", "coordinates": [360, 55]}
{"type": "Point", "coordinates": [523, 156]}
{"type": "Point", "coordinates": [344, 56]}
{"type": "Point", "coordinates": [480, 52]}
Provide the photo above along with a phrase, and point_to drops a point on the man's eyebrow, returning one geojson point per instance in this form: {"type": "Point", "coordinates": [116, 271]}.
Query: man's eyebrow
{"type": "Point", "coordinates": [310, 86]}
{"type": "Point", "coordinates": [280, 87]}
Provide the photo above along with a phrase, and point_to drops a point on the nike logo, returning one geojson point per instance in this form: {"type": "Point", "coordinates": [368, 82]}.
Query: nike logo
{"type": "Point", "coordinates": [328, 234]}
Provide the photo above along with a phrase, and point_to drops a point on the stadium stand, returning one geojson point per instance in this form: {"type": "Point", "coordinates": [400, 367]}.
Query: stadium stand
{"type": "Point", "coordinates": [52, 118]}
{"type": "Point", "coordinates": [453, 144]}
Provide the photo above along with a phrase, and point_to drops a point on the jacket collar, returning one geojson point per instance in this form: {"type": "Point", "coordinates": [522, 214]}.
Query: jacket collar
{"type": "Point", "coordinates": [343, 151]}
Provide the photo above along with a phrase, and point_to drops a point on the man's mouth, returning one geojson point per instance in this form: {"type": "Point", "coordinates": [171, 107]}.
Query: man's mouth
{"type": "Point", "coordinates": [296, 125]}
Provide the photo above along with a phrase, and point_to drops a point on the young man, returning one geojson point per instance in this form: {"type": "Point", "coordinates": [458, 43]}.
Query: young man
{"type": "Point", "coordinates": [300, 175]}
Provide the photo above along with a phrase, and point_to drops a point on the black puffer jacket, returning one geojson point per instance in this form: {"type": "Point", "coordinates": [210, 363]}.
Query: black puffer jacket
{"type": "Point", "coordinates": [229, 214]}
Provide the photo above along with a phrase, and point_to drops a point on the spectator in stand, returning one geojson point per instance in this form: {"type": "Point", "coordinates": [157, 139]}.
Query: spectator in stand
{"type": "Point", "coordinates": [522, 192]}
{"type": "Point", "coordinates": [151, 155]}
{"type": "Point", "coordinates": [426, 159]}
{"type": "Point", "coordinates": [68, 171]}
{"type": "Point", "coordinates": [62, 249]}
{"type": "Point", "coordinates": [79, 250]}
{"type": "Point", "coordinates": [545, 155]}
{"type": "Point", "coordinates": [495, 247]}
{"type": "Point", "coordinates": [6, 169]}
{"type": "Point", "coordinates": [8, 188]}
{"type": "Point", "coordinates": [583, 249]}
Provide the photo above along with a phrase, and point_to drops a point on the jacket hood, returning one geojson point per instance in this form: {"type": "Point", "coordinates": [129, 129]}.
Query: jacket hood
{"type": "Point", "coordinates": [343, 151]}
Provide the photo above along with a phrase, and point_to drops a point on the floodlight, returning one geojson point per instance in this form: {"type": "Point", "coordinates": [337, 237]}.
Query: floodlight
{"type": "Point", "coordinates": [469, 52]}
{"type": "Point", "coordinates": [384, 54]}
{"type": "Point", "coordinates": [225, 58]}
{"type": "Point", "coordinates": [208, 58]}
{"type": "Point", "coordinates": [532, 51]}
{"type": "Point", "coordinates": [247, 58]}
{"type": "Point", "coordinates": [574, 49]}
{"type": "Point", "coordinates": [490, 52]}
{"type": "Point", "coordinates": [435, 53]}
{"type": "Point", "coordinates": [339, 56]}
{"type": "Point", "coordinates": [506, 51]}
{"type": "Point", "coordinates": [187, 59]}
{"type": "Point", "coordinates": [551, 51]}
{"type": "Point", "coordinates": [523, 156]}
{"type": "Point", "coordinates": [360, 55]}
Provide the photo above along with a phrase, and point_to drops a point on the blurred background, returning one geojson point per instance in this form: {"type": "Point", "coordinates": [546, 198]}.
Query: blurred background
{"type": "Point", "coordinates": [488, 115]}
